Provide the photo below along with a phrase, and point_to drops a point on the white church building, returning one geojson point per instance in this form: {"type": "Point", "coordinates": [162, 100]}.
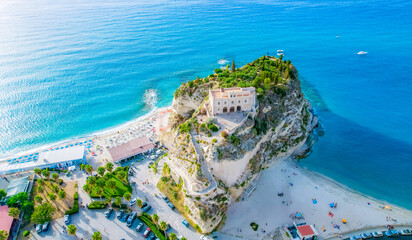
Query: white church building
{"type": "Point", "coordinates": [230, 100]}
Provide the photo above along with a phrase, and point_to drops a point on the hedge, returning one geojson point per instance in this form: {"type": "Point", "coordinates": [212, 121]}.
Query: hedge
{"type": "Point", "coordinates": [75, 208]}
{"type": "Point", "coordinates": [97, 205]}
{"type": "Point", "coordinates": [152, 226]}
{"type": "Point", "coordinates": [122, 206]}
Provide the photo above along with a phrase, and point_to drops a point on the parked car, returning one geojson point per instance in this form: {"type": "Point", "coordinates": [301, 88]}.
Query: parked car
{"type": "Point", "coordinates": [144, 204]}
{"type": "Point", "coordinates": [38, 228]}
{"type": "Point", "coordinates": [151, 236]}
{"type": "Point", "coordinates": [125, 216]}
{"type": "Point", "coordinates": [45, 227]}
{"type": "Point", "coordinates": [139, 227]}
{"type": "Point", "coordinates": [120, 214]}
{"type": "Point", "coordinates": [203, 237]}
{"type": "Point", "coordinates": [67, 219]}
{"type": "Point", "coordinates": [186, 223]}
{"type": "Point", "coordinates": [147, 232]}
{"type": "Point", "coordinates": [147, 208]}
{"type": "Point", "coordinates": [131, 218]}
{"type": "Point", "coordinates": [133, 201]}
{"type": "Point", "coordinates": [166, 199]}
{"type": "Point", "coordinates": [130, 172]}
{"type": "Point", "coordinates": [168, 227]}
{"type": "Point", "coordinates": [171, 205]}
{"type": "Point", "coordinates": [108, 212]}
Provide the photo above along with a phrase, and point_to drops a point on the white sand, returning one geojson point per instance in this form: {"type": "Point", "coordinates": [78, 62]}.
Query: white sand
{"type": "Point", "coordinates": [265, 206]}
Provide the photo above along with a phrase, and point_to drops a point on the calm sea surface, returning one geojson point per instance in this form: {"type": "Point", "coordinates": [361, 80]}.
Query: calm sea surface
{"type": "Point", "coordinates": [70, 68]}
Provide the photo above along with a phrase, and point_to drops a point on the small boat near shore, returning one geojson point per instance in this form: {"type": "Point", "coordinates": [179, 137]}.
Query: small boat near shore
{"type": "Point", "coordinates": [366, 235]}
{"type": "Point", "coordinates": [279, 52]}
{"type": "Point", "coordinates": [391, 233]}
{"type": "Point", "coordinates": [377, 234]}
{"type": "Point", "coordinates": [223, 61]}
{"type": "Point", "coordinates": [405, 232]}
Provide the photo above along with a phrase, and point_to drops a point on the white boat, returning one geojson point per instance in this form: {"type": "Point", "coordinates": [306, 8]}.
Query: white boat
{"type": "Point", "coordinates": [377, 234]}
{"type": "Point", "coordinates": [223, 61]}
{"type": "Point", "coordinates": [405, 232]}
{"type": "Point", "coordinates": [366, 235]}
{"type": "Point", "coordinates": [362, 53]}
{"type": "Point", "coordinates": [279, 52]}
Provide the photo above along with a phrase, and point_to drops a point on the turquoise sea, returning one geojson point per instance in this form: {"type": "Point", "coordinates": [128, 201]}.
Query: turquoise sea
{"type": "Point", "coordinates": [72, 68]}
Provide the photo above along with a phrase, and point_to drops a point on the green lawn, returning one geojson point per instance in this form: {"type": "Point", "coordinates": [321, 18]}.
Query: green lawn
{"type": "Point", "coordinates": [120, 187]}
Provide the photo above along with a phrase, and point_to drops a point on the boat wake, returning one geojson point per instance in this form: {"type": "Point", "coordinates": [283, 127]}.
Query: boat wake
{"type": "Point", "coordinates": [223, 61]}
{"type": "Point", "coordinates": [150, 98]}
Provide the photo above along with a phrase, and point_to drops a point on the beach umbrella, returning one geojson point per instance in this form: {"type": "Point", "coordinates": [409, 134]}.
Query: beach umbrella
{"type": "Point", "coordinates": [71, 145]}
{"type": "Point", "coordinates": [85, 141]}
{"type": "Point", "coordinates": [76, 144]}
{"type": "Point", "coordinates": [343, 220]}
{"type": "Point", "coordinates": [31, 155]}
{"type": "Point", "coordinates": [20, 157]}
{"type": "Point", "coordinates": [90, 140]}
{"type": "Point", "coordinates": [36, 154]}
{"type": "Point", "coordinates": [387, 207]}
{"type": "Point", "coordinates": [66, 146]}
{"type": "Point", "coordinates": [61, 147]}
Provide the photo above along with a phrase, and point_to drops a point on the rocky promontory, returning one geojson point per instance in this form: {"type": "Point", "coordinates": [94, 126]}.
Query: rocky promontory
{"type": "Point", "coordinates": [212, 161]}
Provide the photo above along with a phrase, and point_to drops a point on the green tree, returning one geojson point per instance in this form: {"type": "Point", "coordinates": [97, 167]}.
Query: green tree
{"type": "Point", "coordinates": [173, 236]}
{"type": "Point", "coordinates": [183, 238]}
{"type": "Point", "coordinates": [155, 219]}
{"type": "Point", "coordinates": [38, 172]}
{"type": "Point", "coordinates": [108, 176]}
{"type": "Point", "coordinates": [71, 229]}
{"type": "Point", "coordinates": [14, 213]}
{"type": "Point", "coordinates": [109, 166]}
{"type": "Point", "coordinates": [233, 66]}
{"type": "Point", "coordinates": [62, 194]}
{"type": "Point", "coordinates": [163, 227]}
{"type": "Point", "coordinates": [40, 189]}
{"type": "Point", "coordinates": [87, 188]}
{"type": "Point", "coordinates": [46, 173]}
{"type": "Point", "coordinates": [4, 235]}
{"type": "Point", "coordinates": [2, 194]}
{"type": "Point", "coordinates": [139, 203]}
{"type": "Point", "coordinates": [26, 234]}
{"type": "Point", "coordinates": [55, 176]}
{"type": "Point", "coordinates": [118, 200]}
{"type": "Point", "coordinates": [40, 182]}
{"type": "Point", "coordinates": [52, 196]}
{"type": "Point", "coordinates": [55, 189]}
{"type": "Point", "coordinates": [97, 236]}
{"type": "Point", "coordinates": [38, 199]}
{"type": "Point", "coordinates": [88, 168]}
{"type": "Point", "coordinates": [100, 183]}
{"type": "Point", "coordinates": [27, 207]}
{"type": "Point", "coordinates": [121, 175]}
{"type": "Point", "coordinates": [99, 191]}
{"type": "Point", "coordinates": [101, 170]}
{"type": "Point", "coordinates": [43, 213]}
{"type": "Point", "coordinates": [111, 184]}
{"type": "Point", "coordinates": [92, 180]}
{"type": "Point", "coordinates": [17, 199]}
{"type": "Point", "coordinates": [127, 196]}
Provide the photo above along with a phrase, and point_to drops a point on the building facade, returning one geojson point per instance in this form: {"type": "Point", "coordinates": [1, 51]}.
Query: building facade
{"type": "Point", "coordinates": [229, 100]}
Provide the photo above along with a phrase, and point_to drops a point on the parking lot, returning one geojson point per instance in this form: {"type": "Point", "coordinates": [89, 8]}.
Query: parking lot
{"type": "Point", "coordinates": [89, 221]}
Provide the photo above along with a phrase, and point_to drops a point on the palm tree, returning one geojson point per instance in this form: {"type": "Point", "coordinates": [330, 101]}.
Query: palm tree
{"type": "Point", "coordinates": [88, 168]}
{"type": "Point", "coordinates": [62, 194]}
{"type": "Point", "coordinates": [121, 175]}
{"type": "Point", "coordinates": [87, 188]}
{"type": "Point", "coordinates": [4, 234]}
{"type": "Point", "coordinates": [14, 213]}
{"type": "Point", "coordinates": [139, 203]}
{"type": "Point", "coordinates": [37, 171]}
{"type": "Point", "coordinates": [46, 173]}
{"type": "Point", "coordinates": [163, 227]}
{"type": "Point", "coordinates": [97, 236]}
{"type": "Point", "coordinates": [127, 196]}
{"type": "Point", "coordinates": [155, 219]}
{"type": "Point", "coordinates": [55, 189]}
{"type": "Point", "coordinates": [40, 182]}
{"type": "Point", "coordinates": [101, 170]}
{"type": "Point", "coordinates": [111, 184]}
{"type": "Point", "coordinates": [173, 236]}
{"type": "Point", "coordinates": [55, 176]}
{"type": "Point", "coordinates": [92, 180]}
{"type": "Point", "coordinates": [40, 189]}
{"type": "Point", "coordinates": [118, 200]}
{"type": "Point", "coordinates": [38, 199]}
{"type": "Point", "coordinates": [99, 192]}
{"type": "Point", "coordinates": [100, 183]}
{"type": "Point", "coordinates": [52, 198]}
{"type": "Point", "coordinates": [71, 229]}
{"type": "Point", "coordinates": [109, 166]}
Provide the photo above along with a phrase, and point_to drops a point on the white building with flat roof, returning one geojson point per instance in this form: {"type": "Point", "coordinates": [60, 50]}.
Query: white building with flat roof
{"type": "Point", "coordinates": [60, 158]}
{"type": "Point", "coordinates": [229, 100]}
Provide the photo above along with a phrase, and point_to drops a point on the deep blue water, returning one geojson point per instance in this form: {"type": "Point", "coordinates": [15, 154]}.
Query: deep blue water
{"type": "Point", "coordinates": [70, 68]}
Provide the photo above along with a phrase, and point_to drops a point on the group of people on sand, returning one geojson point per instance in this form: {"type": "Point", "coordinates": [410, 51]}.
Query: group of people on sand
{"type": "Point", "coordinates": [391, 219]}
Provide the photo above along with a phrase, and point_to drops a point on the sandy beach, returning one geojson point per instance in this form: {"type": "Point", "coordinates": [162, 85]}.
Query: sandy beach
{"type": "Point", "coordinates": [308, 193]}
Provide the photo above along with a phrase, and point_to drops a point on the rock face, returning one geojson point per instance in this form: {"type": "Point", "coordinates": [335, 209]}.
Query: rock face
{"type": "Point", "coordinates": [217, 170]}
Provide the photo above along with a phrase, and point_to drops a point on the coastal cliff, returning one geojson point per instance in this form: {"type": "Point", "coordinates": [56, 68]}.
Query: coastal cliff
{"type": "Point", "coordinates": [212, 161]}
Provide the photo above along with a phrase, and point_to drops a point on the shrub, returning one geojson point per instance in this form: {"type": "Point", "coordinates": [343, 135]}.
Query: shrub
{"type": "Point", "coordinates": [60, 181]}
{"type": "Point", "coordinates": [224, 134]}
{"type": "Point", "coordinates": [75, 208]}
{"type": "Point", "coordinates": [121, 206]}
{"type": "Point", "coordinates": [97, 205]}
{"type": "Point", "coordinates": [214, 140]}
{"type": "Point", "coordinates": [213, 127]}
{"type": "Point", "coordinates": [254, 226]}
{"type": "Point", "coordinates": [76, 196]}
{"type": "Point", "coordinates": [26, 233]}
